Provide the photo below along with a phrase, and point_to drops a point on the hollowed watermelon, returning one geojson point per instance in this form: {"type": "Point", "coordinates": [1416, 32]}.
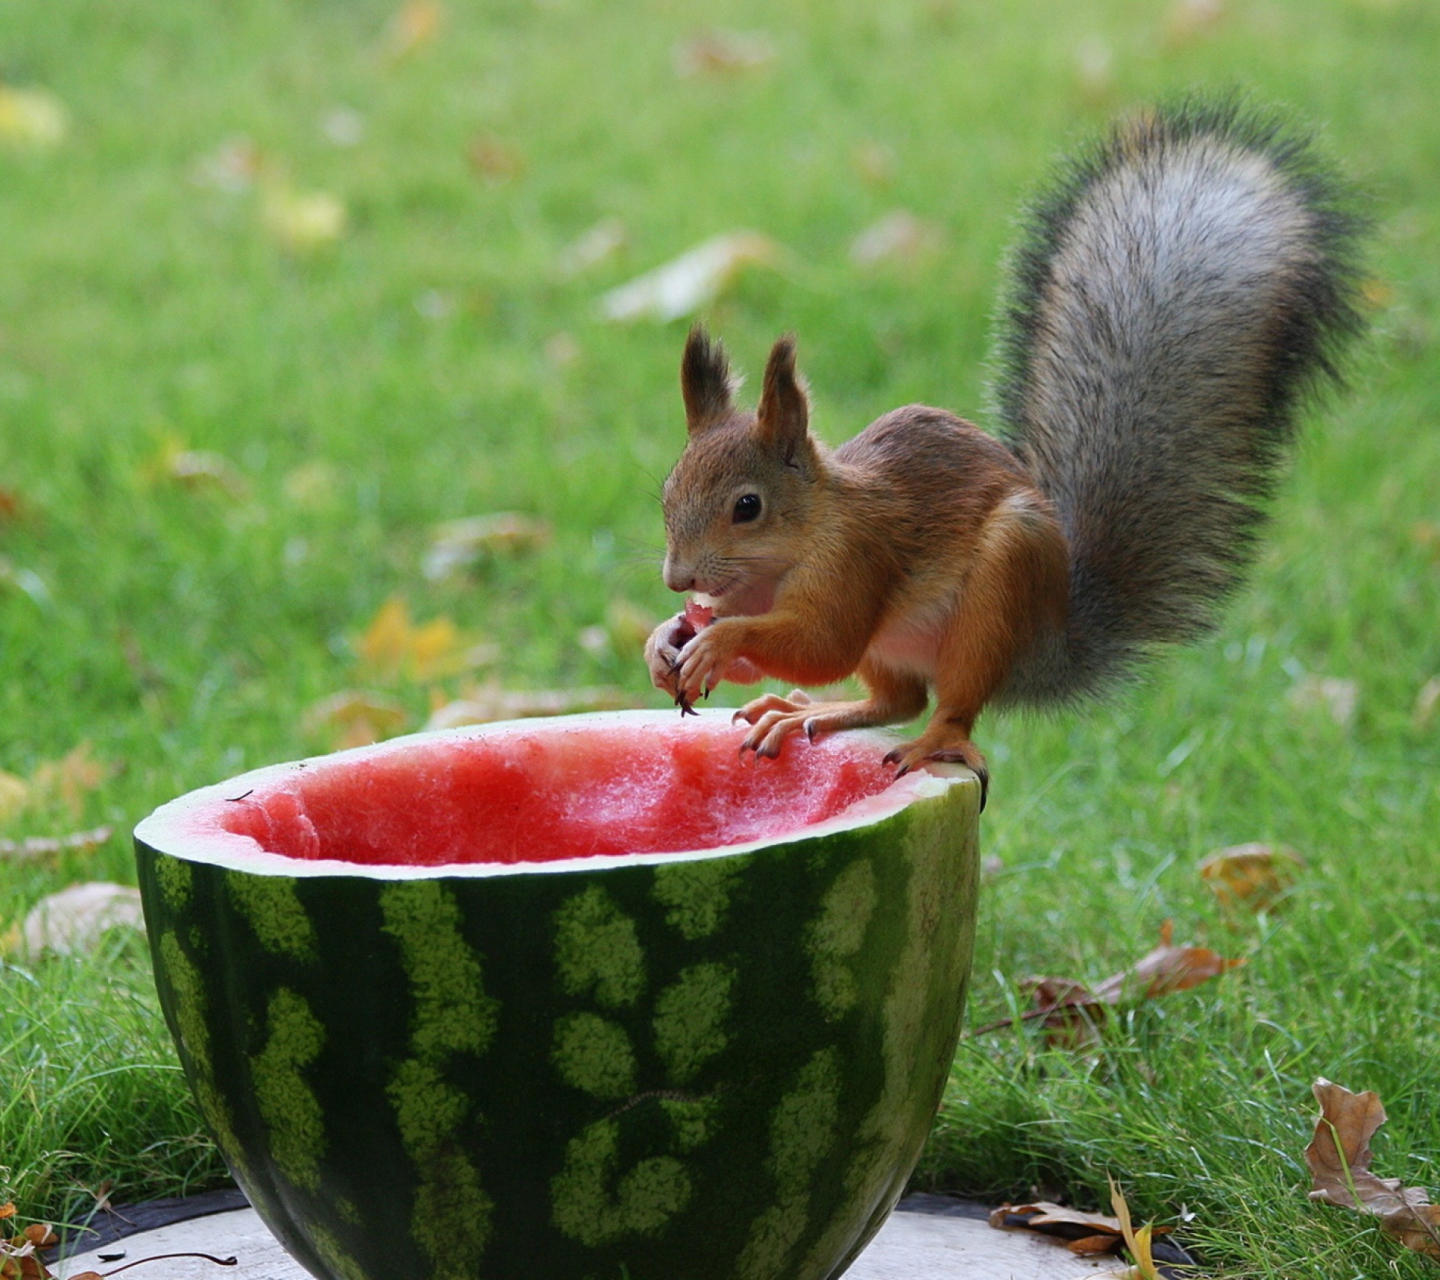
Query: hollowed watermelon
{"type": "Point", "coordinates": [590, 997]}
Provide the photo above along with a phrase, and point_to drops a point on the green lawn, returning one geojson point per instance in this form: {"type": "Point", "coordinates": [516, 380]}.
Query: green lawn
{"type": "Point", "coordinates": [437, 362]}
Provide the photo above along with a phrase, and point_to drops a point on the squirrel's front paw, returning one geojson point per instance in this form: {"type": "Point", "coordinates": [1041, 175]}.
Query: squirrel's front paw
{"type": "Point", "coordinates": [662, 652]}
{"type": "Point", "coordinates": [701, 664]}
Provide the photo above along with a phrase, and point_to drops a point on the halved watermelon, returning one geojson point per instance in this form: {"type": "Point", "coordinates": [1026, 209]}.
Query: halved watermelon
{"type": "Point", "coordinates": [586, 997]}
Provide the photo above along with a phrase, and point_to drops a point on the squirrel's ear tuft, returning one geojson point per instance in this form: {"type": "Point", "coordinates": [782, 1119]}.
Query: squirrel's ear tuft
{"type": "Point", "coordinates": [783, 418]}
{"type": "Point", "coordinates": [705, 382]}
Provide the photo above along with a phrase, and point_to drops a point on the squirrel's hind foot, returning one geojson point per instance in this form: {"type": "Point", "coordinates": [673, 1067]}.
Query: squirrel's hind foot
{"type": "Point", "coordinates": [943, 744]}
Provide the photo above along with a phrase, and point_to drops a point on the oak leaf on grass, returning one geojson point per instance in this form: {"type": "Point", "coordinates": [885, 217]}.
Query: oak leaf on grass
{"type": "Point", "coordinates": [1339, 1158]}
{"type": "Point", "coordinates": [1255, 877]}
{"type": "Point", "coordinates": [1071, 1011]}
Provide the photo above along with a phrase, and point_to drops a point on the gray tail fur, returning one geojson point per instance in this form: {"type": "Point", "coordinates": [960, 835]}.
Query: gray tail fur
{"type": "Point", "coordinates": [1173, 300]}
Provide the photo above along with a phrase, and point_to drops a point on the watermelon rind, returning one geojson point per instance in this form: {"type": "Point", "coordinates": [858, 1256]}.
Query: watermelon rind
{"type": "Point", "coordinates": [716, 1064]}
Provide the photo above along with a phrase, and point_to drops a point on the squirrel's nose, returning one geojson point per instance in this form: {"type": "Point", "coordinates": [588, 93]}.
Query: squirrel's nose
{"type": "Point", "coordinates": [677, 577]}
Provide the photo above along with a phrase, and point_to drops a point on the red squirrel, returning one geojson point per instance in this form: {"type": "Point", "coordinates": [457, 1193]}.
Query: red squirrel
{"type": "Point", "coordinates": [1174, 297]}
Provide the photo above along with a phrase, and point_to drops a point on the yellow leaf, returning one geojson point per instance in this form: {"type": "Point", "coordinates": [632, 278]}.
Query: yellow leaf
{"type": "Point", "coordinates": [14, 796]}
{"type": "Point", "coordinates": [70, 779]}
{"type": "Point", "coordinates": [394, 645]}
{"type": "Point", "coordinates": [33, 118]}
{"type": "Point", "coordinates": [415, 23]}
{"type": "Point", "coordinates": [723, 53]}
{"type": "Point", "coordinates": [1254, 876]}
{"type": "Point", "coordinates": [460, 544]}
{"type": "Point", "coordinates": [303, 221]}
{"type": "Point", "coordinates": [354, 718]}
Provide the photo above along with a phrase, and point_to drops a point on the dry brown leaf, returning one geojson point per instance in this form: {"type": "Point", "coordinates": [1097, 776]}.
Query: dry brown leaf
{"type": "Point", "coordinates": [7, 1210]}
{"type": "Point", "coordinates": [13, 508]}
{"type": "Point", "coordinates": [1426, 535]}
{"type": "Point", "coordinates": [354, 718]}
{"type": "Point", "coordinates": [414, 25]}
{"type": "Point", "coordinates": [32, 118]}
{"type": "Point", "coordinates": [75, 918]}
{"type": "Point", "coordinates": [1096, 1232]}
{"type": "Point", "coordinates": [493, 160]}
{"type": "Point", "coordinates": [695, 279]}
{"type": "Point", "coordinates": [723, 53]}
{"type": "Point", "coordinates": [1251, 876]}
{"type": "Point", "coordinates": [1339, 1158]}
{"type": "Point", "coordinates": [1071, 1011]}
{"type": "Point", "coordinates": [462, 544]}
{"type": "Point", "coordinates": [488, 703]}
{"type": "Point", "coordinates": [1426, 701]}
{"type": "Point", "coordinates": [898, 237]}
{"type": "Point", "coordinates": [45, 846]}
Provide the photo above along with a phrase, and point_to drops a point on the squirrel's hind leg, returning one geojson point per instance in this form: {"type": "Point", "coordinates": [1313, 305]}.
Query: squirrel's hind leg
{"type": "Point", "coordinates": [1015, 586]}
{"type": "Point", "coordinates": [894, 697]}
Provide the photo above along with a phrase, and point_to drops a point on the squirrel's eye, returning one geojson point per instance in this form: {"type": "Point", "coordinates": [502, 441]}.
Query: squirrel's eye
{"type": "Point", "coordinates": [747, 508]}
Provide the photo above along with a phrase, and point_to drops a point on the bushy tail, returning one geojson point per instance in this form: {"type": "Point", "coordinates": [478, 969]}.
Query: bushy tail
{"type": "Point", "coordinates": [1173, 299]}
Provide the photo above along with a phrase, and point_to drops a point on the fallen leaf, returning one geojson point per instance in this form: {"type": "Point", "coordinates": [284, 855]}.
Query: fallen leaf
{"type": "Point", "coordinates": [414, 25]}
{"type": "Point", "coordinates": [393, 645]}
{"type": "Point", "coordinates": [303, 221]}
{"type": "Point", "coordinates": [1252, 876]}
{"type": "Point", "coordinates": [234, 166]}
{"type": "Point", "coordinates": [1138, 1242]}
{"type": "Point", "coordinates": [1072, 1226]}
{"type": "Point", "coordinates": [198, 470]}
{"type": "Point", "coordinates": [7, 1210]}
{"type": "Point", "coordinates": [312, 484]}
{"type": "Point", "coordinates": [1339, 697]}
{"type": "Point", "coordinates": [1426, 535]}
{"type": "Point", "coordinates": [462, 544]}
{"type": "Point", "coordinates": [354, 718]}
{"type": "Point", "coordinates": [691, 281]}
{"type": "Point", "coordinates": [723, 53]}
{"type": "Point", "coordinates": [1095, 68]}
{"type": "Point", "coordinates": [1191, 18]}
{"type": "Point", "coordinates": [874, 162]}
{"type": "Point", "coordinates": [489, 703]}
{"type": "Point", "coordinates": [598, 245]}
{"type": "Point", "coordinates": [1071, 1011]}
{"type": "Point", "coordinates": [1426, 701]}
{"type": "Point", "coordinates": [1339, 1158]}
{"type": "Point", "coordinates": [70, 779]}
{"type": "Point", "coordinates": [33, 118]}
{"type": "Point", "coordinates": [898, 237]}
{"type": "Point", "coordinates": [75, 918]}
{"type": "Point", "coordinates": [45, 846]}
{"type": "Point", "coordinates": [494, 160]}
{"type": "Point", "coordinates": [13, 508]}
{"type": "Point", "coordinates": [14, 796]}
{"type": "Point", "coordinates": [343, 126]}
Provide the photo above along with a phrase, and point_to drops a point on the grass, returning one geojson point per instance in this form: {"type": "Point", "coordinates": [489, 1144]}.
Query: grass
{"type": "Point", "coordinates": [183, 633]}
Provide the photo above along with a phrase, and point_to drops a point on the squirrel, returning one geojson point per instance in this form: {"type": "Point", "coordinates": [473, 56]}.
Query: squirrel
{"type": "Point", "coordinates": [1176, 294]}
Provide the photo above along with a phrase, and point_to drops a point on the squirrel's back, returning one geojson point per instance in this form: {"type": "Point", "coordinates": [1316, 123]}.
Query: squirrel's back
{"type": "Point", "coordinates": [1172, 301]}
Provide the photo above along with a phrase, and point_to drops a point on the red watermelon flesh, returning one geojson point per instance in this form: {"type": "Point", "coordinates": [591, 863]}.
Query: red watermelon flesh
{"type": "Point", "coordinates": [533, 793]}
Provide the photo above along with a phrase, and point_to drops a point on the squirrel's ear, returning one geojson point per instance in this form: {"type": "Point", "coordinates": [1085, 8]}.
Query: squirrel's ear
{"type": "Point", "coordinates": [705, 382]}
{"type": "Point", "coordinates": [783, 418]}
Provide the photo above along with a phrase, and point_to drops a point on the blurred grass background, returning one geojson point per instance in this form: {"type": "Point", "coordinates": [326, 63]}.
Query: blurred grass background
{"type": "Point", "coordinates": [176, 284]}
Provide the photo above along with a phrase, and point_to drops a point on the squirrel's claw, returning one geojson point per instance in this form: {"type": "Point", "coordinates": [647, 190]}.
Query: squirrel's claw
{"type": "Point", "coordinates": [913, 754]}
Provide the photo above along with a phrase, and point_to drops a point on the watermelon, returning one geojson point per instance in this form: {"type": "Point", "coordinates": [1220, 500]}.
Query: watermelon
{"type": "Point", "coordinates": [574, 999]}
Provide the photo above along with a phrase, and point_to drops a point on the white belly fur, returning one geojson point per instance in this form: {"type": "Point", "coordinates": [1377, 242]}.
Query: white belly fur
{"type": "Point", "coordinates": [909, 640]}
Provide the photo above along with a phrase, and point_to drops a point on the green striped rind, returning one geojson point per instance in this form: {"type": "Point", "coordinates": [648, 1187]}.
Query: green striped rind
{"type": "Point", "coordinates": [718, 1068]}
